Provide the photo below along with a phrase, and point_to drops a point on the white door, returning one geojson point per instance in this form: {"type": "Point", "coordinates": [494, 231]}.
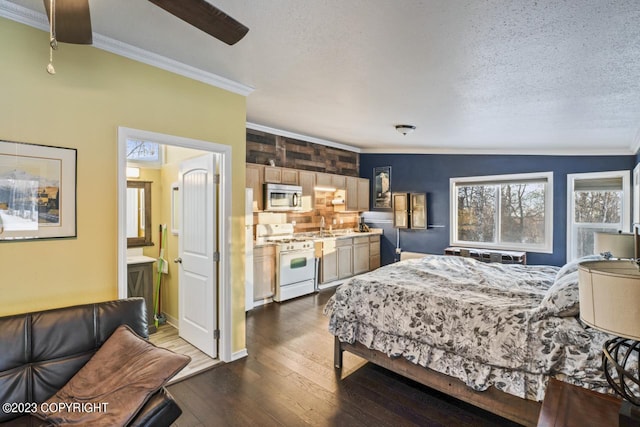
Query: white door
{"type": "Point", "coordinates": [197, 244]}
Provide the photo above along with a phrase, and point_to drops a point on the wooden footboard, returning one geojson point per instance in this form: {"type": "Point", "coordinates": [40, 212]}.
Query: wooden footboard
{"type": "Point", "coordinates": [522, 411]}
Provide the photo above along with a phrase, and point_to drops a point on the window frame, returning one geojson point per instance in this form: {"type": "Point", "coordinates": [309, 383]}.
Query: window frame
{"type": "Point", "coordinates": [546, 247]}
{"type": "Point", "coordinates": [626, 203]}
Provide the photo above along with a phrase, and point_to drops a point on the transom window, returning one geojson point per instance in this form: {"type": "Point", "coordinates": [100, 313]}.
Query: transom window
{"type": "Point", "coordinates": [145, 153]}
{"type": "Point", "coordinates": [503, 211]}
{"type": "Point", "coordinates": [598, 201]}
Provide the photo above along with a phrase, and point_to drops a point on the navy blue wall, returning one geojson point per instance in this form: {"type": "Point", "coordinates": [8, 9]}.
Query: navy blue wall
{"type": "Point", "coordinates": [430, 173]}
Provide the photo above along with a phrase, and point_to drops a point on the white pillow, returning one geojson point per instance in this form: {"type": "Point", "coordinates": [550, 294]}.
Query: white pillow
{"type": "Point", "coordinates": [562, 298]}
{"type": "Point", "coordinates": [572, 266]}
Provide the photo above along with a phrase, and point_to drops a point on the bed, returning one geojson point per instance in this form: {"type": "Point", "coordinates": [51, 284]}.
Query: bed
{"type": "Point", "coordinates": [487, 333]}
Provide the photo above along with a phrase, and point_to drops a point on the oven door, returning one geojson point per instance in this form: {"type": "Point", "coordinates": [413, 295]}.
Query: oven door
{"type": "Point", "coordinates": [296, 266]}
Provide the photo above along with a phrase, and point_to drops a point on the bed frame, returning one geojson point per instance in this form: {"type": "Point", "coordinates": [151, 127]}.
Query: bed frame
{"type": "Point", "coordinates": [522, 411]}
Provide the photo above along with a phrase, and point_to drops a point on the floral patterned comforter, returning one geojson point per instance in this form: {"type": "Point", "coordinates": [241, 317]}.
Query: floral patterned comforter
{"type": "Point", "coordinates": [481, 323]}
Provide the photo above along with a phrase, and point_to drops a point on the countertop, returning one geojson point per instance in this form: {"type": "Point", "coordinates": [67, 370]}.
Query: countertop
{"type": "Point", "coordinates": [328, 235]}
{"type": "Point", "coordinates": [139, 259]}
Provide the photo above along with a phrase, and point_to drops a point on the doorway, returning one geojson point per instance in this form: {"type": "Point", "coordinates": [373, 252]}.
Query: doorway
{"type": "Point", "coordinates": [223, 213]}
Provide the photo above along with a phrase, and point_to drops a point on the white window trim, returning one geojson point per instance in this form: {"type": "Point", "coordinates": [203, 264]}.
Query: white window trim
{"type": "Point", "coordinates": [547, 247]}
{"type": "Point", "coordinates": [626, 201]}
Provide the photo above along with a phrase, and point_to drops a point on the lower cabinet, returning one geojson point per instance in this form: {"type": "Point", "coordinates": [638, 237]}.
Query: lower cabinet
{"type": "Point", "coordinates": [348, 256]}
{"type": "Point", "coordinates": [140, 284]}
{"type": "Point", "coordinates": [360, 254]}
{"type": "Point", "coordinates": [345, 257]}
{"type": "Point", "coordinates": [264, 272]}
{"type": "Point", "coordinates": [374, 252]}
{"type": "Point", "coordinates": [329, 261]}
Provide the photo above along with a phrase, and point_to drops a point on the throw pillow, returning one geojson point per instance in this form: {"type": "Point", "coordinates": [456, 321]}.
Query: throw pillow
{"type": "Point", "coordinates": [114, 384]}
{"type": "Point", "coordinates": [562, 298]}
{"type": "Point", "coordinates": [572, 266]}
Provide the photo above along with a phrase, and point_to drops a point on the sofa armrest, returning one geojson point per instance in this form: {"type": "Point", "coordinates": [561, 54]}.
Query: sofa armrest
{"type": "Point", "coordinates": [159, 411]}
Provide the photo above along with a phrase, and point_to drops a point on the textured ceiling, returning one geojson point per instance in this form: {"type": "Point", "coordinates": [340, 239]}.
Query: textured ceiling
{"type": "Point", "coordinates": [546, 76]}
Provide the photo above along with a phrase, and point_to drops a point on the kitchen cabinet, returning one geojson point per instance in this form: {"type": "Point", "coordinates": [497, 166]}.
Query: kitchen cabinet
{"type": "Point", "coordinates": [374, 252]}
{"type": "Point", "coordinates": [273, 174]}
{"type": "Point", "coordinates": [344, 249]}
{"type": "Point", "coordinates": [307, 182]}
{"type": "Point", "coordinates": [323, 179]}
{"type": "Point", "coordinates": [344, 257]}
{"type": "Point", "coordinates": [363, 194]}
{"type": "Point", "coordinates": [410, 210]}
{"type": "Point", "coordinates": [264, 272]}
{"type": "Point", "coordinates": [254, 180]}
{"type": "Point", "coordinates": [352, 193]}
{"type": "Point", "coordinates": [360, 254]}
{"type": "Point", "coordinates": [357, 197]}
{"type": "Point", "coordinates": [339, 182]}
{"type": "Point", "coordinates": [289, 176]}
{"type": "Point", "coordinates": [329, 262]}
{"type": "Point", "coordinates": [356, 190]}
{"type": "Point", "coordinates": [140, 284]}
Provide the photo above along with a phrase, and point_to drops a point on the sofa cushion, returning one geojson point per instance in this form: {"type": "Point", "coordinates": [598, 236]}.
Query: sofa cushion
{"type": "Point", "coordinates": [115, 383]}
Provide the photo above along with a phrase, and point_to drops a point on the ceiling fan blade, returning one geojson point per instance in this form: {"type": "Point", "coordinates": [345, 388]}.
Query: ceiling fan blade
{"type": "Point", "coordinates": [205, 17]}
{"type": "Point", "coordinates": [72, 21]}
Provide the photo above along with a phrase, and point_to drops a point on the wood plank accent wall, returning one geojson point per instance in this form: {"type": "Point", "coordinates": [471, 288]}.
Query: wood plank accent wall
{"type": "Point", "coordinates": [297, 154]}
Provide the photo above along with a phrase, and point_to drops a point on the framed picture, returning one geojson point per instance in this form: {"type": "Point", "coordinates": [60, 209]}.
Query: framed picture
{"type": "Point", "coordinates": [382, 187]}
{"type": "Point", "coordinates": [37, 192]}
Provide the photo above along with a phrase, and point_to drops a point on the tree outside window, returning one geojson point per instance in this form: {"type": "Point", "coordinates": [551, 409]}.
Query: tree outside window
{"type": "Point", "coordinates": [507, 211]}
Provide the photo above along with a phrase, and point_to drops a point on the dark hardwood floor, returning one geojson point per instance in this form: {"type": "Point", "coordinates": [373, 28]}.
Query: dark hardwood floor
{"type": "Point", "coordinates": [288, 379]}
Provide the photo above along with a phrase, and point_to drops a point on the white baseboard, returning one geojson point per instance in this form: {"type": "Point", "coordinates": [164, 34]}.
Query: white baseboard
{"type": "Point", "coordinates": [239, 354]}
{"type": "Point", "coordinates": [171, 320]}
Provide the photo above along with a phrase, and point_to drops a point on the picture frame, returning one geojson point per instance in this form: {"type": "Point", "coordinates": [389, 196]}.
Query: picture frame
{"type": "Point", "coordinates": [38, 185]}
{"type": "Point", "coordinates": [382, 188]}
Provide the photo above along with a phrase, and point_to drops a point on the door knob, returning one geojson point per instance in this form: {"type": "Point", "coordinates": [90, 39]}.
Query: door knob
{"type": "Point", "coordinates": [178, 260]}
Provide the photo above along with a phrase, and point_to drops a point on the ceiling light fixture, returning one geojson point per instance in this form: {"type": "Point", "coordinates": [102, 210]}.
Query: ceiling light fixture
{"type": "Point", "coordinates": [405, 129]}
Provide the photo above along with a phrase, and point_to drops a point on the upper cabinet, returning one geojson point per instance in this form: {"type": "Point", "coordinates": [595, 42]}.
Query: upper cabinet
{"type": "Point", "coordinates": [254, 180]}
{"type": "Point", "coordinates": [273, 174]}
{"type": "Point", "coordinates": [363, 194]}
{"type": "Point", "coordinates": [410, 210]}
{"type": "Point", "coordinates": [276, 175]}
{"type": "Point", "coordinates": [307, 181]}
{"type": "Point", "coordinates": [323, 180]}
{"type": "Point", "coordinates": [357, 194]}
{"type": "Point", "coordinates": [356, 190]}
{"type": "Point", "coordinates": [290, 176]}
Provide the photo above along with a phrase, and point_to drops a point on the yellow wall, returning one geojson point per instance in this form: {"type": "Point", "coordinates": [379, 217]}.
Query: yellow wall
{"type": "Point", "coordinates": [81, 107]}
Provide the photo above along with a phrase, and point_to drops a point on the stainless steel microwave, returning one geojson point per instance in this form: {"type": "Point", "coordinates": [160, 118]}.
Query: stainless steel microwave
{"type": "Point", "coordinates": [281, 197]}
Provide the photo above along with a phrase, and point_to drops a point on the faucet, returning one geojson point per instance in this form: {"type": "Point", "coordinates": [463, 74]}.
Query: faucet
{"type": "Point", "coordinates": [322, 226]}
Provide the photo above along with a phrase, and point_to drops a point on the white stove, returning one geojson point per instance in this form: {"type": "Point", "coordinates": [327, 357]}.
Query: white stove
{"type": "Point", "coordinates": [295, 261]}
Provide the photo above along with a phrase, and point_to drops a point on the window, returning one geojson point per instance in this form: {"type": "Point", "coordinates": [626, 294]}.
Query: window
{"type": "Point", "coordinates": [598, 201]}
{"type": "Point", "coordinates": [144, 153]}
{"type": "Point", "coordinates": [503, 212]}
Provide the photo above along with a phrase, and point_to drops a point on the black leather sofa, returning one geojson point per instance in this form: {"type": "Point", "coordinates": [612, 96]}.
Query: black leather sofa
{"type": "Point", "coordinates": [41, 351]}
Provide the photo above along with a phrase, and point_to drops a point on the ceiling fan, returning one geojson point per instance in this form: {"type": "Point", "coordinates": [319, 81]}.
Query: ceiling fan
{"type": "Point", "coordinates": [72, 20]}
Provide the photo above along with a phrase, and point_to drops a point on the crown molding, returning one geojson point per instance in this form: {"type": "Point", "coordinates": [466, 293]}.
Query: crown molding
{"type": "Point", "coordinates": [498, 151]}
{"type": "Point", "coordinates": [301, 137]}
{"type": "Point", "coordinates": [39, 20]}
